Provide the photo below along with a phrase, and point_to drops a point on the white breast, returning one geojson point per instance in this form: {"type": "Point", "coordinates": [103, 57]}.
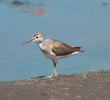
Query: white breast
{"type": "Point", "coordinates": [41, 46]}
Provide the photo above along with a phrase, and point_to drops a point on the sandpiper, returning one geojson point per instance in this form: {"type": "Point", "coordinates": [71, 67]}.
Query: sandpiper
{"type": "Point", "coordinates": [53, 49]}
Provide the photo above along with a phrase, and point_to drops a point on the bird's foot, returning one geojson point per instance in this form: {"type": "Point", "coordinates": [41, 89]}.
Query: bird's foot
{"type": "Point", "coordinates": [54, 75]}
{"type": "Point", "coordinates": [48, 77]}
{"type": "Point", "coordinates": [51, 76]}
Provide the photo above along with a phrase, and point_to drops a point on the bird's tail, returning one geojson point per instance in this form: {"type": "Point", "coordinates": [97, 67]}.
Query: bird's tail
{"type": "Point", "coordinates": [81, 51]}
{"type": "Point", "coordinates": [78, 49]}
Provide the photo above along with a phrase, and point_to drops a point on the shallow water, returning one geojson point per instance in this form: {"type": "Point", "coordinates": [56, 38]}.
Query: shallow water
{"type": "Point", "coordinates": [80, 23]}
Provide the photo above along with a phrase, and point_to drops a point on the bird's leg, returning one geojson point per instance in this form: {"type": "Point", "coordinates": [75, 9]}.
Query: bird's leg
{"type": "Point", "coordinates": [54, 74]}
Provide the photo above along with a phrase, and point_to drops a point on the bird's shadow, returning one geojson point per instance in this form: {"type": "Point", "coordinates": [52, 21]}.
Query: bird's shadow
{"type": "Point", "coordinates": [41, 76]}
{"type": "Point", "coordinates": [38, 77]}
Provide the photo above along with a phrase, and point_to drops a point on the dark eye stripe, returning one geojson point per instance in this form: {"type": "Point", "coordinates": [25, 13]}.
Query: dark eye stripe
{"type": "Point", "coordinates": [34, 35]}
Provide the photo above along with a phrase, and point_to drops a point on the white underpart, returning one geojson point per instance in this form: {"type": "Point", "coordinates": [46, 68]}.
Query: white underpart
{"type": "Point", "coordinates": [75, 52]}
{"type": "Point", "coordinates": [41, 46]}
{"type": "Point", "coordinates": [52, 53]}
{"type": "Point", "coordinates": [49, 54]}
{"type": "Point", "coordinates": [54, 56]}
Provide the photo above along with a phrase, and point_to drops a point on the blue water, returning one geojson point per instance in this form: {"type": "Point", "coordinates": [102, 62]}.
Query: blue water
{"type": "Point", "coordinates": [76, 22]}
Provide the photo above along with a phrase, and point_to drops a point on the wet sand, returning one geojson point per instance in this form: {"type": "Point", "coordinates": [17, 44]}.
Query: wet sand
{"type": "Point", "coordinates": [84, 86]}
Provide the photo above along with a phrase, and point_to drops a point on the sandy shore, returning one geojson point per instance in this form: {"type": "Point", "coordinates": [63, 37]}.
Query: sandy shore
{"type": "Point", "coordinates": [84, 86]}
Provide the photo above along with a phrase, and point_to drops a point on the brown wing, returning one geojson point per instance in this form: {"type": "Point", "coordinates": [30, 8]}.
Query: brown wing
{"type": "Point", "coordinates": [62, 49]}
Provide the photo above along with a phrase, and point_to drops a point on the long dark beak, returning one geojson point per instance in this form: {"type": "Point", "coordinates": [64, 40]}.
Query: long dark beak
{"type": "Point", "coordinates": [28, 41]}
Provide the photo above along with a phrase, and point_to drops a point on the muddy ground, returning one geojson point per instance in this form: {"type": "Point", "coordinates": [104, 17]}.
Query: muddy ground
{"type": "Point", "coordinates": [84, 86]}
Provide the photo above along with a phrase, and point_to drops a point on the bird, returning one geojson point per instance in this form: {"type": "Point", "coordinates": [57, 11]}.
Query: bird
{"type": "Point", "coordinates": [54, 50]}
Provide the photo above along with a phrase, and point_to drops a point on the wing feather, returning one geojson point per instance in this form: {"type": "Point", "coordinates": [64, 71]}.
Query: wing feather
{"type": "Point", "coordinates": [62, 49]}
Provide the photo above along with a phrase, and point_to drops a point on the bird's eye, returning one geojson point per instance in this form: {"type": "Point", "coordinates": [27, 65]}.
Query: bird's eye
{"type": "Point", "coordinates": [36, 36]}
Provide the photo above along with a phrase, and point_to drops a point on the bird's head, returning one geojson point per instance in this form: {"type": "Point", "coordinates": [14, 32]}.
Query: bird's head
{"type": "Point", "coordinates": [36, 37]}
